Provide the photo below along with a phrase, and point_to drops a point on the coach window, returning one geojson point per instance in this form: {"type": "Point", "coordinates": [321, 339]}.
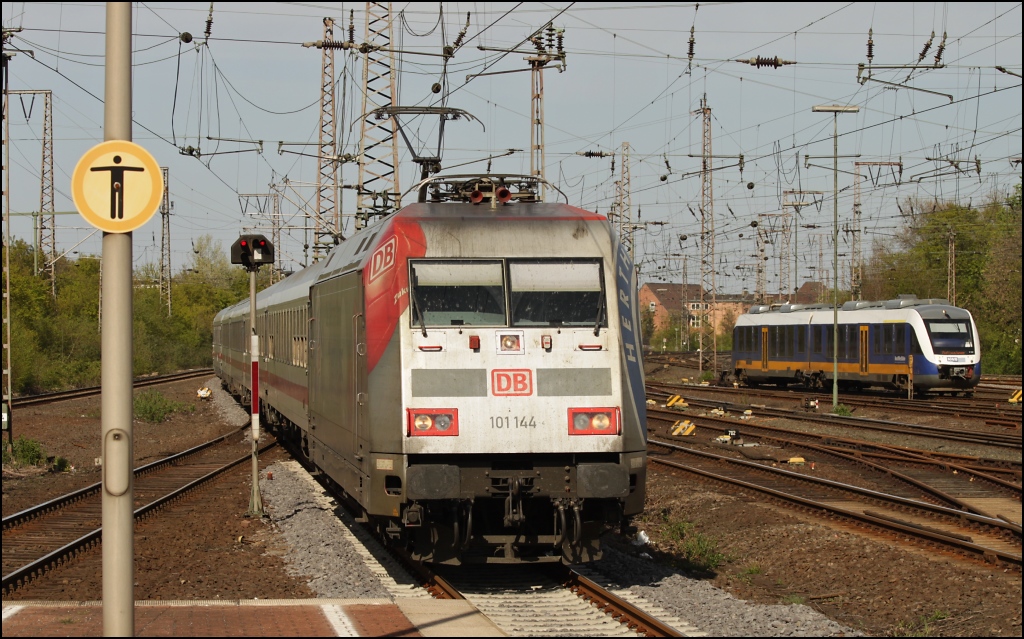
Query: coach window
{"type": "Point", "coordinates": [458, 293]}
{"type": "Point", "coordinates": [901, 339]}
{"type": "Point", "coordinates": [801, 339]}
{"type": "Point", "coordinates": [564, 293]}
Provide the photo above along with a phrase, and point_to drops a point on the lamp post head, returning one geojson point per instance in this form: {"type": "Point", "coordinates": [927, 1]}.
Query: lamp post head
{"type": "Point", "coordinates": [834, 108]}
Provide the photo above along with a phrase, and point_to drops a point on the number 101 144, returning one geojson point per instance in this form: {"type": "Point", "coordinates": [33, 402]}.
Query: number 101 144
{"type": "Point", "coordinates": [504, 421]}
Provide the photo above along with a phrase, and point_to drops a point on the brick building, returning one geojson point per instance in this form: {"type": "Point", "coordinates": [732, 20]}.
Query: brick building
{"type": "Point", "coordinates": [666, 300]}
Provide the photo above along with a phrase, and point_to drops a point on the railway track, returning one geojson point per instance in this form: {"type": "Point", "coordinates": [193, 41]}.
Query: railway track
{"type": "Point", "coordinates": [140, 382]}
{"type": "Point", "coordinates": [998, 440]}
{"type": "Point", "coordinates": [559, 601]}
{"type": "Point", "coordinates": [551, 600]}
{"type": "Point", "coordinates": [1004, 472]}
{"type": "Point", "coordinates": [991, 539]}
{"type": "Point", "coordinates": [1004, 414]}
{"type": "Point", "coordinates": [53, 533]}
{"type": "Point", "coordinates": [990, 488]}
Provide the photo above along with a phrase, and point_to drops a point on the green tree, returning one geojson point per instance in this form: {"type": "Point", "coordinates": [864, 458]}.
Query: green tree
{"type": "Point", "coordinates": [987, 242]}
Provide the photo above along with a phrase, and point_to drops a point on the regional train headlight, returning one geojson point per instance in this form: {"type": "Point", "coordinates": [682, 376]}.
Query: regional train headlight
{"type": "Point", "coordinates": [600, 421]}
{"type": "Point", "coordinates": [422, 422]}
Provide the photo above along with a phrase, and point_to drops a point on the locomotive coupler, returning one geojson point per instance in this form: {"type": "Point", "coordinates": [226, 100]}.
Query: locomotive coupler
{"type": "Point", "coordinates": [514, 515]}
{"type": "Point", "coordinates": [413, 516]}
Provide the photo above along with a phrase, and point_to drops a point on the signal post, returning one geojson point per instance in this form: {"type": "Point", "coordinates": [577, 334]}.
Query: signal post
{"type": "Point", "coordinates": [253, 251]}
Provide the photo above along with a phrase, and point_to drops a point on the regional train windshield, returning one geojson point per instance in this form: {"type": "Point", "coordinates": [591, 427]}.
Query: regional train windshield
{"type": "Point", "coordinates": [511, 293]}
{"type": "Point", "coordinates": [950, 337]}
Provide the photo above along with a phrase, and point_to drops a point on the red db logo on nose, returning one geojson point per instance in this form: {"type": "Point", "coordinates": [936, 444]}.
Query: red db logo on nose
{"type": "Point", "coordinates": [382, 259]}
{"type": "Point", "coordinates": [512, 382]}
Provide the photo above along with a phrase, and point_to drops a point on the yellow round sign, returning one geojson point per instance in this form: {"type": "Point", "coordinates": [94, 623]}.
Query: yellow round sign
{"type": "Point", "coordinates": [117, 186]}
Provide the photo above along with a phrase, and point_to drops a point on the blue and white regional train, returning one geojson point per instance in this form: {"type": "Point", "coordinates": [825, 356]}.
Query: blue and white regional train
{"type": "Point", "coordinates": [467, 370]}
{"type": "Point", "coordinates": [891, 344]}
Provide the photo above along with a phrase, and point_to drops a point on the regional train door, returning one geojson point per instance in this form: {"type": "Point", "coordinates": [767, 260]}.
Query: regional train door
{"type": "Point", "coordinates": [764, 348]}
{"type": "Point", "coordinates": [863, 350]}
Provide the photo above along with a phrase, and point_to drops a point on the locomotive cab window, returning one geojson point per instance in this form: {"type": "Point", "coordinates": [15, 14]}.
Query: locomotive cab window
{"type": "Point", "coordinates": [565, 293]}
{"type": "Point", "coordinates": [457, 293]}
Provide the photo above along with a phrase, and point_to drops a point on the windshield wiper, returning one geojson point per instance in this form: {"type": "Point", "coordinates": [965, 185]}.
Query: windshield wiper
{"type": "Point", "coordinates": [600, 311]}
{"type": "Point", "coordinates": [418, 310]}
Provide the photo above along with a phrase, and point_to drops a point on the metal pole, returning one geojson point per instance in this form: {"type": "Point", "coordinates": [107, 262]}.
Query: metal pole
{"type": "Point", "coordinates": [835, 260]}
{"type": "Point", "coordinates": [116, 401]}
{"type": "Point", "coordinates": [255, 500]}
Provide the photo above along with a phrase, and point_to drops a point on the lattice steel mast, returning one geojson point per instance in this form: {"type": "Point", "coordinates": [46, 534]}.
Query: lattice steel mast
{"type": "Point", "coordinates": [327, 220]}
{"type": "Point", "coordinates": [708, 335]}
{"type": "Point", "coordinates": [378, 190]}
{"type": "Point", "coordinates": [165, 242]}
{"type": "Point", "coordinates": [7, 394]}
{"type": "Point", "coordinates": [46, 233]}
{"type": "Point", "coordinates": [551, 51]}
{"type": "Point", "coordinates": [857, 258]}
{"type": "Point", "coordinates": [624, 200]}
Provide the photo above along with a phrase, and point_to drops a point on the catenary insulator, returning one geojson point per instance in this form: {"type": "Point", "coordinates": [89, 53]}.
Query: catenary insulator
{"type": "Point", "coordinates": [560, 40]}
{"type": "Point", "coordinates": [209, 23]}
{"type": "Point", "coordinates": [462, 34]}
{"type": "Point", "coordinates": [689, 53]}
{"type": "Point", "coordinates": [351, 26]}
{"type": "Point", "coordinates": [927, 45]}
{"type": "Point", "coordinates": [761, 61]}
{"type": "Point", "coordinates": [871, 46]}
{"type": "Point", "coordinates": [942, 47]}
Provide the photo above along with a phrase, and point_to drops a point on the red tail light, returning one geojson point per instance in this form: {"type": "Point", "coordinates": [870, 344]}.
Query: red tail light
{"type": "Point", "coordinates": [433, 422]}
{"type": "Point", "coordinates": [594, 421]}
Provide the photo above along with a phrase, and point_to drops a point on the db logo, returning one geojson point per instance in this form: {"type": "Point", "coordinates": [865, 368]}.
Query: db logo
{"type": "Point", "coordinates": [512, 382]}
{"type": "Point", "coordinates": [382, 259]}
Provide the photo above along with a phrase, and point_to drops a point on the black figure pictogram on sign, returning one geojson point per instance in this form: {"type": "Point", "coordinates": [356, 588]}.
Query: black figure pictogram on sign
{"type": "Point", "coordinates": [117, 186]}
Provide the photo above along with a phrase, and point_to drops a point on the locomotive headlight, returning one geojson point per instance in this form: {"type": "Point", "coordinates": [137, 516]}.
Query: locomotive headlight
{"type": "Point", "coordinates": [443, 422]}
{"type": "Point", "coordinates": [510, 342]}
{"type": "Point", "coordinates": [423, 422]}
{"type": "Point", "coordinates": [594, 421]}
{"type": "Point", "coordinates": [601, 421]}
{"type": "Point", "coordinates": [432, 422]}
{"type": "Point", "coordinates": [581, 421]}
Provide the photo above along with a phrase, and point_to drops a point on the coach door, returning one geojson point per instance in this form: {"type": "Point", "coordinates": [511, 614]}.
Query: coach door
{"type": "Point", "coordinates": [337, 384]}
{"type": "Point", "coordinates": [863, 350]}
{"type": "Point", "coordinates": [764, 348]}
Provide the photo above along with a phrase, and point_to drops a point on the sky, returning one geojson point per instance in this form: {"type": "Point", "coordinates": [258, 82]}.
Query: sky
{"type": "Point", "coordinates": [628, 78]}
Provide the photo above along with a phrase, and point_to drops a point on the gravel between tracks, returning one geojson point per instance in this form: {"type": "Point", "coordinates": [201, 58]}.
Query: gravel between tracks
{"type": "Point", "coordinates": [316, 545]}
{"type": "Point", "coordinates": [712, 609]}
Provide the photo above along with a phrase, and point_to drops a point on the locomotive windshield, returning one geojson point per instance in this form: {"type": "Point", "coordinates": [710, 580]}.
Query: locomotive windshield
{"type": "Point", "coordinates": [458, 293]}
{"type": "Point", "coordinates": [567, 293]}
{"type": "Point", "coordinates": [950, 337]}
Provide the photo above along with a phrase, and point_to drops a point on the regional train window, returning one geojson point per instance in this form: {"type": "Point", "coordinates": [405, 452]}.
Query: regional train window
{"type": "Point", "coordinates": [458, 293]}
{"type": "Point", "coordinates": [950, 337]}
{"type": "Point", "coordinates": [565, 293]}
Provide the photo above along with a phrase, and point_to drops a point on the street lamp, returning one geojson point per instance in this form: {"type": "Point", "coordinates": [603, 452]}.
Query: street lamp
{"type": "Point", "coordinates": [835, 110]}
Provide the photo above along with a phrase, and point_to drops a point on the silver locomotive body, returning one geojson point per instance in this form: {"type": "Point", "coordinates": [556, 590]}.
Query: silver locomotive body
{"type": "Point", "coordinates": [469, 375]}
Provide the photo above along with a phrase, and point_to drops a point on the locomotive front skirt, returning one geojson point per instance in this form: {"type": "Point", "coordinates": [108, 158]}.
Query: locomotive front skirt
{"type": "Point", "coordinates": [470, 375]}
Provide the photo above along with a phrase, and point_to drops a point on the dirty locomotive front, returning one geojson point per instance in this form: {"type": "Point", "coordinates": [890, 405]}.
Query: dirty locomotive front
{"type": "Point", "coordinates": [469, 374]}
